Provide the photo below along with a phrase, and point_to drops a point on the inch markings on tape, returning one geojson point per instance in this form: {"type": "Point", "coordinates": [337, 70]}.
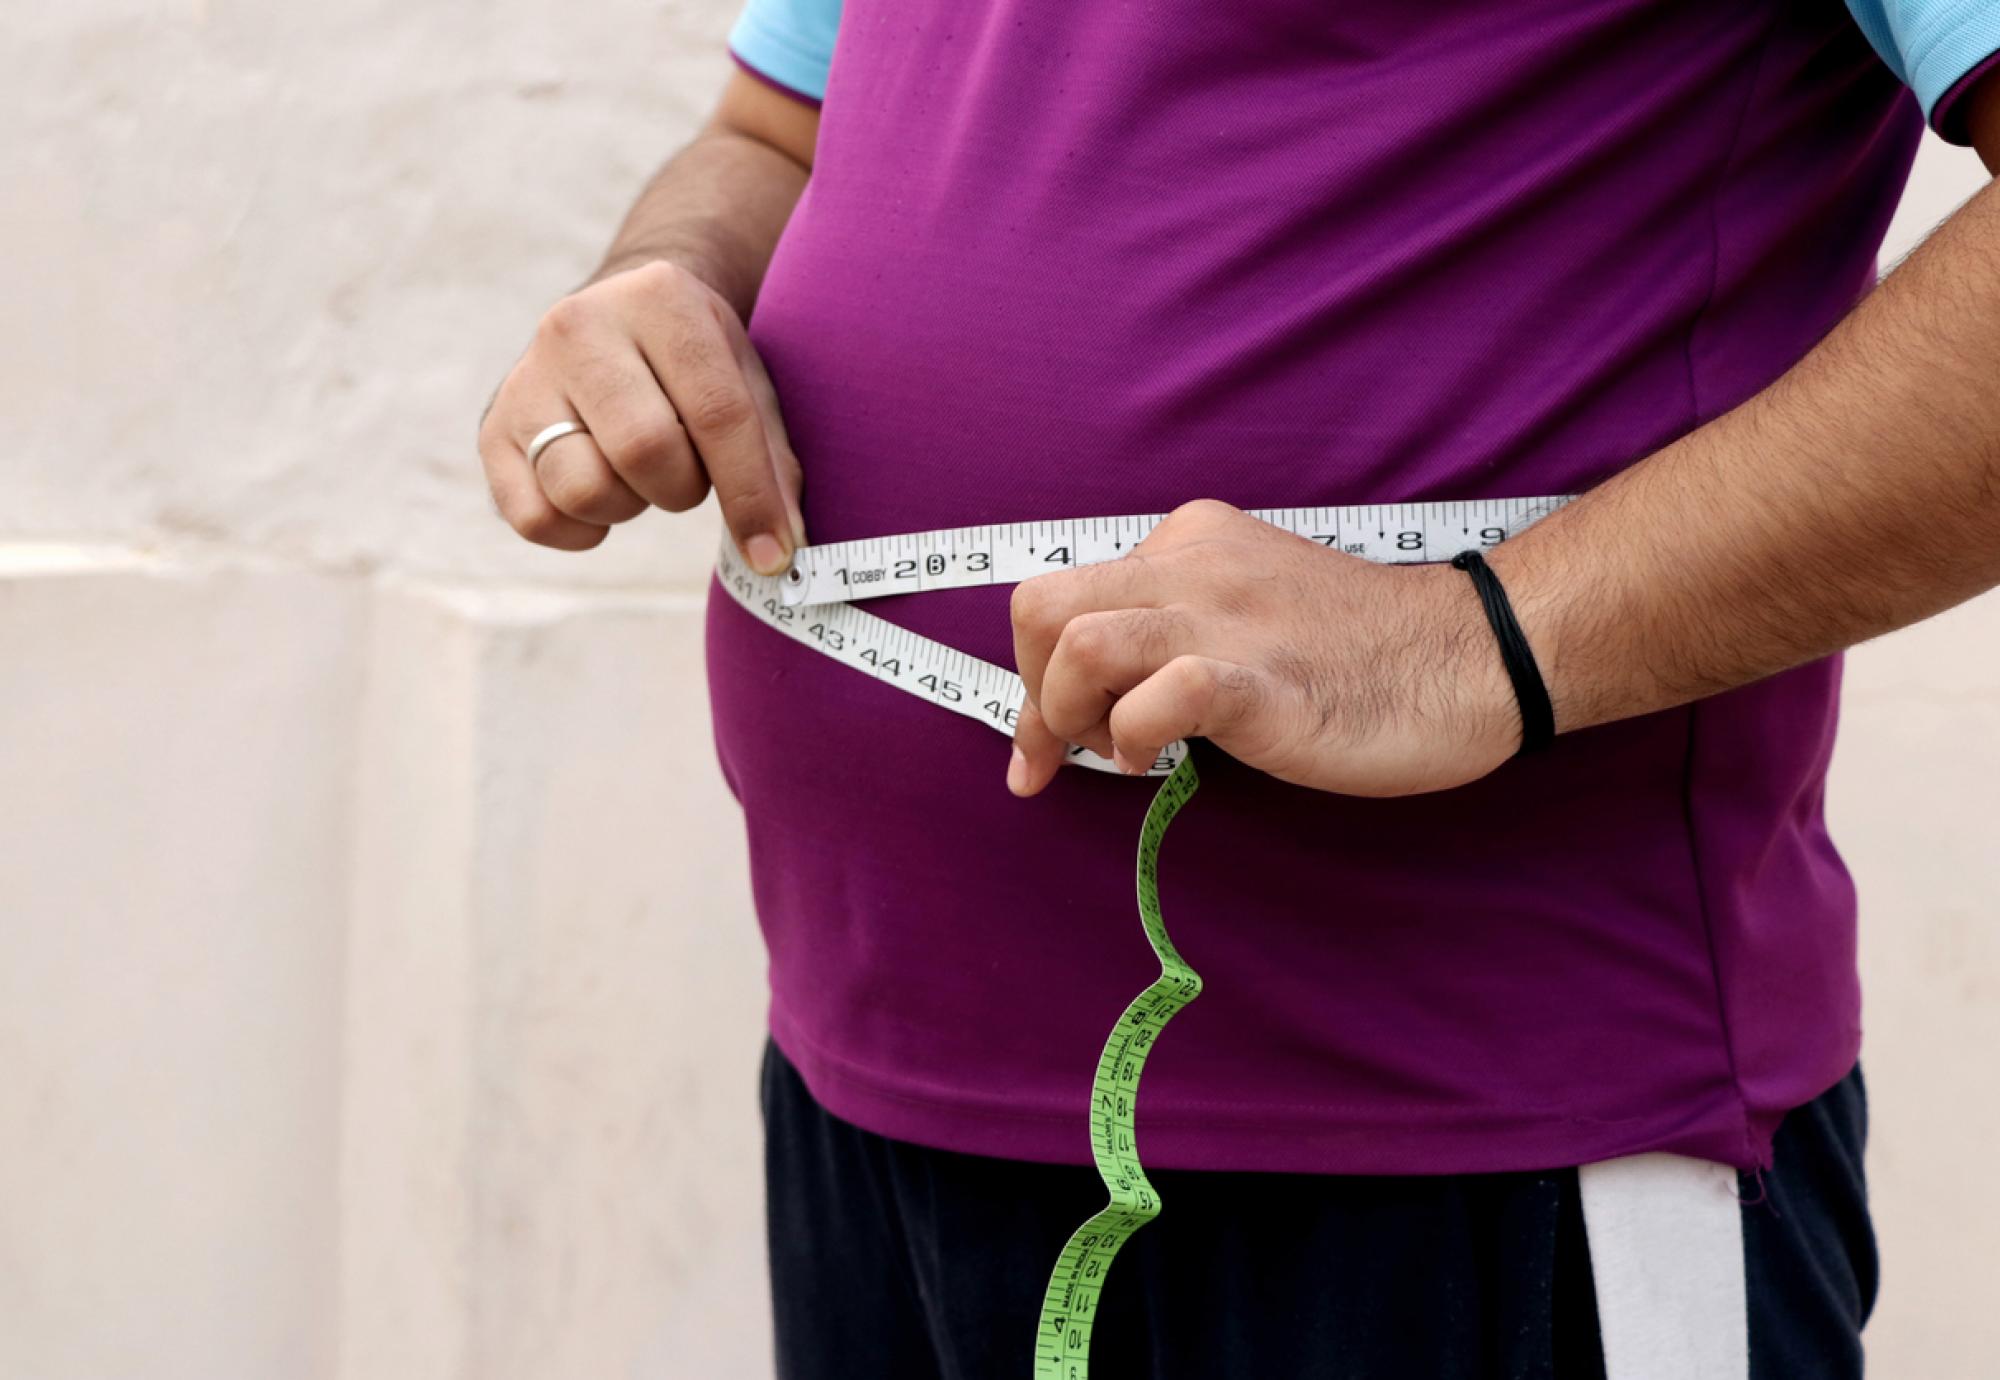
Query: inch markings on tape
{"type": "Point", "coordinates": [813, 604]}
{"type": "Point", "coordinates": [1007, 553]}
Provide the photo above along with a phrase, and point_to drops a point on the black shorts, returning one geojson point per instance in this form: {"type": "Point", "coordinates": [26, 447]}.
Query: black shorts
{"type": "Point", "coordinates": [891, 1260]}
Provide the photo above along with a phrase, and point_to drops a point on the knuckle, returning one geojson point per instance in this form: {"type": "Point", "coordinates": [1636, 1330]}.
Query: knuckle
{"type": "Point", "coordinates": [1066, 722]}
{"type": "Point", "coordinates": [567, 491]}
{"type": "Point", "coordinates": [718, 408]}
{"type": "Point", "coordinates": [695, 360]}
{"type": "Point", "coordinates": [512, 505]}
{"type": "Point", "coordinates": [1131, 722]}
{"type": "Point", "coordinates": [1068, 707]}
{"type": "Point", "coordinates": [540, 525]}
{"type": "Point", "coordinates": [1233, 694]}
{"type": "Point", "coordinates": [607, 393]}
{"type": "Point", "coordinates": [681, 490]}
{"type": "Point", "coordinates": [1032, 605]}
{"type": "Point", "coordinates": [727, 321]}
{"type": "Point", "coordinates": [654, 457]}
{"type": "Point", "coordinates": [747, 510]}
{"type": "Point", "coordinates": [1193, 678]}
{"type": "Point", "coordinates": [567, 319]}
{"type": "Point", "coordinates": [658, 276]}
{"type": "Point", "coordinates": [648, 446]}
{"type": "Point", "coordinates": [575, 490]}
{"type": "Point", "coordinates": [1087, 640]}
{"type": "Point", "coordinates": [1201, 514]}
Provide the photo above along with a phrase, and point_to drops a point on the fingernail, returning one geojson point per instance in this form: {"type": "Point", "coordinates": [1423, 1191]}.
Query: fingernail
{"type": "Point", "coordinates": [1017, 774]}
{"type": "Point", "coordinates": [766, 554]}
{"type": "Point", "coordinates": [1120, 761]}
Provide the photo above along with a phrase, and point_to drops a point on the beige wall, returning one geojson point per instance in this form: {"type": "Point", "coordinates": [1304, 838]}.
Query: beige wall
{"type": "Point", "coordinates": [379, 996]}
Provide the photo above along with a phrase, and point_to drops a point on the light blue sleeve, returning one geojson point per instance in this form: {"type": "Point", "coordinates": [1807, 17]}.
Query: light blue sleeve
{"type": "Point", "coordinates": [1930, 44]}
{"type": "Point", "coordinates": [788, 41]}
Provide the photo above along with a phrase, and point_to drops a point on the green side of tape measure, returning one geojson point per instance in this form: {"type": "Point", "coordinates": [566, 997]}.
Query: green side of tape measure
{"type": "Point", "coordinates": [1069, 1309]}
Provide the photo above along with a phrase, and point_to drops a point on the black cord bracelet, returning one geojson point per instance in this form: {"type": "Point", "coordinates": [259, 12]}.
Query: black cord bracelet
{"type": "Point", "coordinates": [1538, 716]}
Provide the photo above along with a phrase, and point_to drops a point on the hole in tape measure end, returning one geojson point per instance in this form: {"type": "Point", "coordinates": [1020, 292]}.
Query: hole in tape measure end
{"type": "Point", "coordinates": [792, 586]}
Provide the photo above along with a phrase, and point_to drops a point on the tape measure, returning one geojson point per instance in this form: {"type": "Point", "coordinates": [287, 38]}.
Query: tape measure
{"type": "Point", "coordinates": [1007, 553]}
{"type": "Point", "coordinates": [814, 603]}
{"type": "Point", "coordinates": [1069, 1306]}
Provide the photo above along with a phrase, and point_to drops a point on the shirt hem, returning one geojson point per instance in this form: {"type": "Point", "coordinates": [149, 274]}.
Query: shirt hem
{"type": "Point", "coordinates": [758, 74]}
{"type": "Point", "coordinates": [1948, 116]}
{"type": "Point", "coordinates": [779, 58]}
{"type": "Point", "coordinates": [1948, 58]}
{"type": "Point", "coordinates": [1273, 1139]}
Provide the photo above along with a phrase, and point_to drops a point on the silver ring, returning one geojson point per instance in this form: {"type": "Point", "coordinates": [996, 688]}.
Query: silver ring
{"type": "Point", "coordinates": [549, 435]}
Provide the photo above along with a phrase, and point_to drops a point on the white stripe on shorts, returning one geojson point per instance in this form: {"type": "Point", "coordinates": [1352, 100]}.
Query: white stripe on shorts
{"type": "Point", "coordinates": [1666, 1254]}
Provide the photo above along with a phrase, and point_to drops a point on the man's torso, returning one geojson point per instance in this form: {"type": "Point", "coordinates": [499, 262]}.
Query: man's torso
{"type": "Point", "coordinates": [1064, 258]}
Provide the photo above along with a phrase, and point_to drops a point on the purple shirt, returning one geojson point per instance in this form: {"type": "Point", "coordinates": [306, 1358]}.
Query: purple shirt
{"type": "Point", "coordinates": [1076, 257]}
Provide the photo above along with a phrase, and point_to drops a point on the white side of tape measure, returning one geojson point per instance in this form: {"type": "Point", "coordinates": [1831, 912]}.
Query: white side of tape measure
{"type": "Point", "coordinates": [1007, 553]}
{"type": "Point", "coordinates": [922, 667]}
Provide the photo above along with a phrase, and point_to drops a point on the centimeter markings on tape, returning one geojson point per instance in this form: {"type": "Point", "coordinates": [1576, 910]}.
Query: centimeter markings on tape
{"type": "Point", "coordinates": [812, 604]}
{"type": "Point", "coordinates": [948, 678]}
{"type": "Point", "coordinates": [1007, 553]}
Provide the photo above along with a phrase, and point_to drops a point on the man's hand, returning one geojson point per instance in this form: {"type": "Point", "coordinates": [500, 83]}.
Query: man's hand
{"type": "Point", "coordinates": [652, 359]}
{"type": "Point", "coordinates": [656, 365]}
{"type": "Point", "coordinates": [1315, 666]}
{"type": "Point", "coordinates": [1858, 493]}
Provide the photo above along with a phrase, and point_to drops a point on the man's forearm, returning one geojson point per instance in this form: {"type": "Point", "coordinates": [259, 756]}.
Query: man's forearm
{"type": "Point", "coordinates": [716, 208]}
{"type": "Point", "coordinates": [1859, 493]}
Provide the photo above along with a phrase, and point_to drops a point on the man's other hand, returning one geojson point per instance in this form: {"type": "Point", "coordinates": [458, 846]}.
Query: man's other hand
{"type": "Point", "coordinates": [657, 367]}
